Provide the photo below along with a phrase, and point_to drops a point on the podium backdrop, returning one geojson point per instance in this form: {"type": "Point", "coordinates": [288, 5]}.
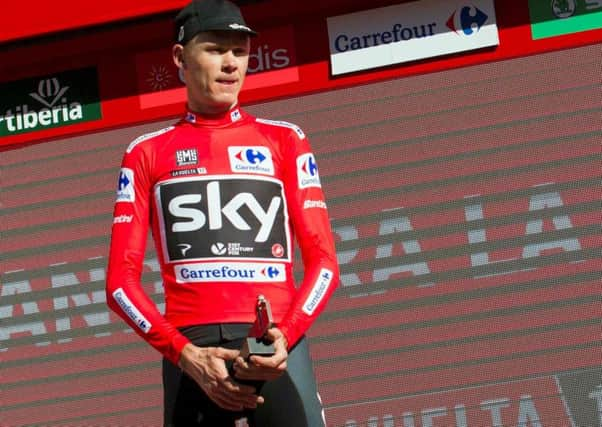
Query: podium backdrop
{"type": "Point", "coordinates": [466, 206]}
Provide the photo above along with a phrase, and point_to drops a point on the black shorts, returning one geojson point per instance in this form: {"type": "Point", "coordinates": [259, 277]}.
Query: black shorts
{"type": "Point", "coordinates": [290, 401]}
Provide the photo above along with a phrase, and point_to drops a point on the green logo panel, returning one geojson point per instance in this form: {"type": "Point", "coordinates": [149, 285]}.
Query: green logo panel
{"type": "Point", "coordinates": [50, 101]}
{"type": "Point", "coordinates": [551, 18]}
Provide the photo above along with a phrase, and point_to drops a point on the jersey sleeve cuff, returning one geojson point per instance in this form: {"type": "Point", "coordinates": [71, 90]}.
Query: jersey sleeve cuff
{"type": "Point", "coordinates": [290, 335]}
{"type": "Point", "coordinates": [175, 350]}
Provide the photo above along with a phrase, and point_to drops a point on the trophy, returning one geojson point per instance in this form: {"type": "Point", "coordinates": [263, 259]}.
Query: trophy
{"type": "Point", "coordinates": [256, 342]}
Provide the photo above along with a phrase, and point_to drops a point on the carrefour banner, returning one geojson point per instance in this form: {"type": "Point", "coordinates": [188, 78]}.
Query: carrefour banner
{"type": "Point", "coordinates": [407, 32]}
{"type": "Point", "coordinates": [557, 17]}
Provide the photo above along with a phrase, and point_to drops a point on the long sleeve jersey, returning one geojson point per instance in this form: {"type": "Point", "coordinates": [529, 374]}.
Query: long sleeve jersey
{"type": "Point", "coordinates": [225, 197]}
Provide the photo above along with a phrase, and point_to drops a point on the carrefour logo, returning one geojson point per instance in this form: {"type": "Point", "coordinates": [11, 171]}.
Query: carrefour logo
{"type": "Point", "coordinates": [467, 19]}
{"type": "Point", "coordinates": [307, 171]}
{"type": "Point", "coordinates": [131, 310]}
{"type": "Point", "coordinates": [409, 31]}
{"type": "Point", "coordinates": [125, 186]}
{"type": "Point", "coordinates": [251, 159]}
{"type": "Point", "coordinates": [318, 291]}
{"type": "Point", "coordinates": [397, 33]}
{"type": "Point", "coordinates": [251, 272]}
{"type": "Point", "coordinates": [271, 272]}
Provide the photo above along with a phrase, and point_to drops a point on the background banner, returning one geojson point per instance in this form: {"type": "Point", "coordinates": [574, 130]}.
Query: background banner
{"type": "Point", "coordinates": [466, 211]}
{"type": "Point", "coordinates": [407, 32]}
{"type": "Point", "coordinates": [558, 17]}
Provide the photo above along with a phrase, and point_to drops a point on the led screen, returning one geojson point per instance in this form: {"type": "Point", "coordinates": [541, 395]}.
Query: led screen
{"type": "Point", "coordinates": [466, 208]}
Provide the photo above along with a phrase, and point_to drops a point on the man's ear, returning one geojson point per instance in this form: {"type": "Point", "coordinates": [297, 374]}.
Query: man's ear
{"type": "Point", "coordinates": [177, 53]}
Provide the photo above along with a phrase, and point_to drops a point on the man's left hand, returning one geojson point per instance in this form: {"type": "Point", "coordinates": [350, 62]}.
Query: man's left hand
{"type": "Point", "coordinates": [262, 368]}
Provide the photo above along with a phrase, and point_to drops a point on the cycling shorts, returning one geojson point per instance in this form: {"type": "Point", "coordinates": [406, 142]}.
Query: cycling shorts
{"type": "Point", "coordinates": [290, 401]}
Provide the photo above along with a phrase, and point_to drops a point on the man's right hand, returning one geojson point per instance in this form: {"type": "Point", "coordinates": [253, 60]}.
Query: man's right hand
{"type": "Point", "coordinates": [207, 366]}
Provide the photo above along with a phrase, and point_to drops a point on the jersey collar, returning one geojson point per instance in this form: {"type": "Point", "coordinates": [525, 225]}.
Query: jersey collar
{"type": "Point", "coordinates": [233, 115]}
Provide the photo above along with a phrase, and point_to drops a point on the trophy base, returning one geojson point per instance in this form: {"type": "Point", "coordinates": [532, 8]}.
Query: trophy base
{"type": "Point", "coordinates": [258, 347]}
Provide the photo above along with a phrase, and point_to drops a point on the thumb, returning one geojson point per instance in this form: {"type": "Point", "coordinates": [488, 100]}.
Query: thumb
{"type": "Point", "coordinates": [227, 354]}
{"type": "Point", "coordinates": [272, 334]}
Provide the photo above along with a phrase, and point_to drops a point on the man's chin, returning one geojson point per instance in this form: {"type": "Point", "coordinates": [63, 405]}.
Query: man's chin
{"type": "Point", "coordinates": [223, 106]}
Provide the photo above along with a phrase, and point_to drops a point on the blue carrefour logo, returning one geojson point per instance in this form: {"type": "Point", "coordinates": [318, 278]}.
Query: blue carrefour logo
{"type": "Point", "coordinates": [307, 171]}
{"type": "Point", "coordinates": [468, 19]}
{"type": "Point", "coordinates": [310, 167]}
{"type": "Point", "coordinates": [125, 186]}
{"type": "Point", "coordinates": [123, 181]}
{"type": "Point", "coordinates": [271, 272]}
{"type": "Point", "coordinates": [251, 159]}
{"type": "Point", "coordinates": [254, 157]}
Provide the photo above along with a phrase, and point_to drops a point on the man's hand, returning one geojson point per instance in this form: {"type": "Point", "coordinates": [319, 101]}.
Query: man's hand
{"type": "Point", "coordinates": [207, 366]}
{"type": "Point", "coordinates": [262, 368]}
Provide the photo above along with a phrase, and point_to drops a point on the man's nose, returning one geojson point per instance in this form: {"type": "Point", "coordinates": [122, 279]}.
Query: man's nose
{"type": "Point", "coordinates": [229, 63]}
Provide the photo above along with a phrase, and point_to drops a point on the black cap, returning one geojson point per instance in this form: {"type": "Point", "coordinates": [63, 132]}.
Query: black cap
{"type": "Point", "coordinates": [209, 15]}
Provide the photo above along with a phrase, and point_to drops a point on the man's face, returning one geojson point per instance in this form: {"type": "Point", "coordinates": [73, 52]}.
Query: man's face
{"type": "Point", "coordinates": [214, 67]}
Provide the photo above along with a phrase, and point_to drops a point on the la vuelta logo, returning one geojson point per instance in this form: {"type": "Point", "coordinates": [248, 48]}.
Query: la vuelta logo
{"type": "Point", "coordinates": [47, 102]}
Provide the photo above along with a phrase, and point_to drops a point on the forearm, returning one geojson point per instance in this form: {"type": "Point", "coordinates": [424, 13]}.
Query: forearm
{"type": "Point", "coordinates": [319, 283]}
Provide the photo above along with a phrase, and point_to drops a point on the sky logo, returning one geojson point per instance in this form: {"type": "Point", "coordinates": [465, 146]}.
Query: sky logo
{"type": "Point", "coordinates": [307, 171]}
{"type": "Point", "coordinates": [251, 159]}
{"type": "Point", "coordinates": [468, 19]}
{"type": "Point", "coordinates": [125, 186]}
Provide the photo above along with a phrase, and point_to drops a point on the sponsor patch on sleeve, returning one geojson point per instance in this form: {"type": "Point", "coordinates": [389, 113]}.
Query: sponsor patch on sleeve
{"type": "Point", "coordinates": [123, 219]}
{"type": "Point", "coordinates": [125, 186]}
{"type": "Point", "coordinates": [318, 291]}
{"type": "Point", "coordinates": [310, 204]}
{"type": "Point", "coordinates": [130, 309]}
{"type": "Point", "coordinates": [307, 171]}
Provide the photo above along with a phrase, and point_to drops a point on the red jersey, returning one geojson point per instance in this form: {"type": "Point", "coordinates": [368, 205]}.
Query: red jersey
{"type": "Point", "coordinates": [225, 198]}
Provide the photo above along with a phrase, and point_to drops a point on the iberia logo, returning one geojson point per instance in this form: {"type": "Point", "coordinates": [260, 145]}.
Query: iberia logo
{"type": "Point", "coordinates": [51, 101]}
{"type": "Point", "coordinates": [467, 19]}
